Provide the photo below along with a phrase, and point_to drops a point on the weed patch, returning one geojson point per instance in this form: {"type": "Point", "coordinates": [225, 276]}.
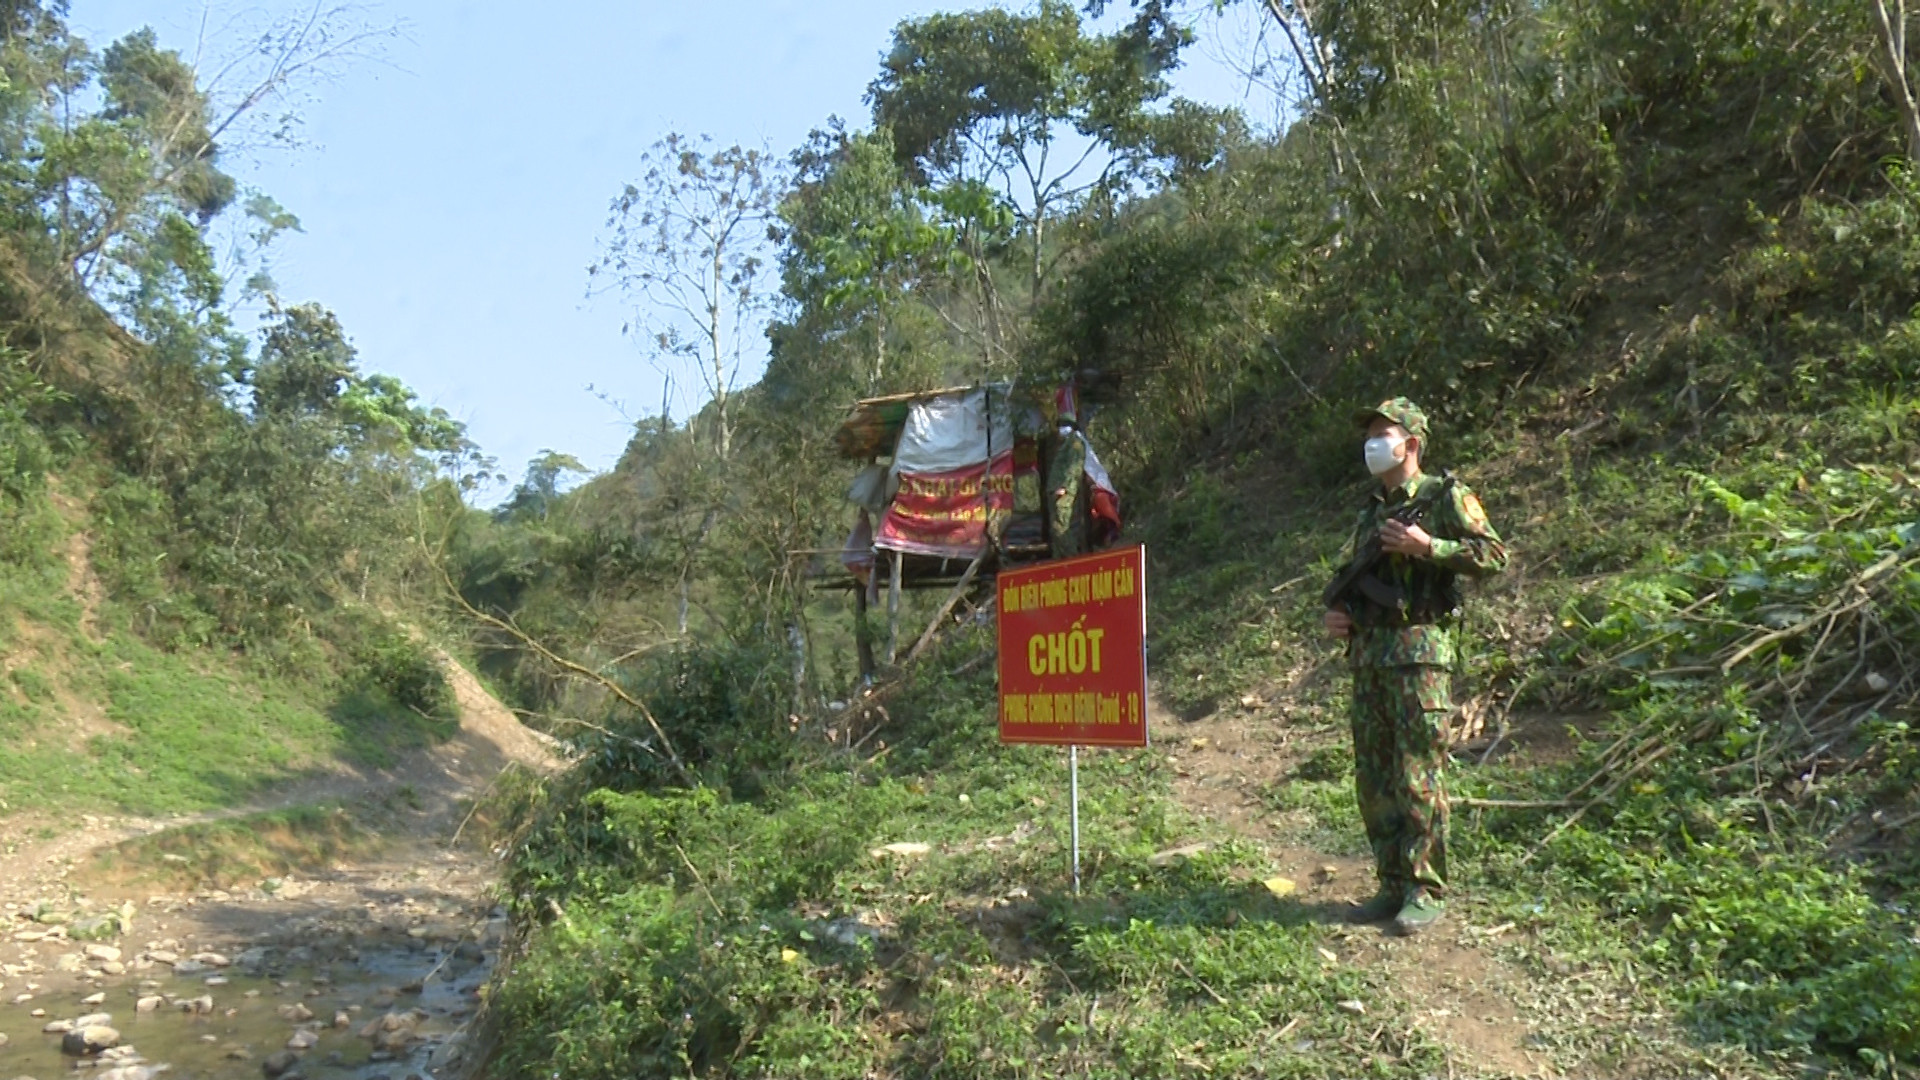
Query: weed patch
{"type": "Point", "coordinates": [236, 852]}
{"type": "Point", "coordinates": [698, 932]}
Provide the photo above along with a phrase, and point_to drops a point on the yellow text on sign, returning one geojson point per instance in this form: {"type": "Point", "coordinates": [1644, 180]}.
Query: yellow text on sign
{"type": "Point", "coordinates": [1084, 709]}
{"type": "Point", "coordinates": [1069, 652]}
{"type": "Point", "coordinates": [1061, 592]}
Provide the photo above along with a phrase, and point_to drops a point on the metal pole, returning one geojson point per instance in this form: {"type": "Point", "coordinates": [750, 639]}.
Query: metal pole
{"type": "Point", "coordinates": [1073, 811]}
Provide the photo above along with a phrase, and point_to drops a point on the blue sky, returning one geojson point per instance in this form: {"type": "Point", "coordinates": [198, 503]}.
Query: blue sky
{"type": "Point", "coordinates": [452, 194]}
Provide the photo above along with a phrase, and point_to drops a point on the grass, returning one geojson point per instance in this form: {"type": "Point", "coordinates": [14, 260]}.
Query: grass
{"type": "Point", "coordinates": [1739, 903]}
{"type": "Point", "coordinates": [696, 933]}
{"type": "Point", "coordinates": [115, 723]}
{"type": "Point", "coordinates": [237, 851]}
{"type": "Point", "coordinates": [1677, 926]}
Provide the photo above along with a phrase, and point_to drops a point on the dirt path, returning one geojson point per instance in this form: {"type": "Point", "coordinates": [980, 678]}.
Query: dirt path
{"type": "Point", "coordinates": [1225, 765]}
{"type": "Point", "coordinates": [399, 930]}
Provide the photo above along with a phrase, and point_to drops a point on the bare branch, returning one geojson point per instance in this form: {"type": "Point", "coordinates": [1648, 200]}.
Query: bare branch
{"type": "Point", "coordinates": [535, 646]}
{"type": "Point", "coordinates": [688, 247]}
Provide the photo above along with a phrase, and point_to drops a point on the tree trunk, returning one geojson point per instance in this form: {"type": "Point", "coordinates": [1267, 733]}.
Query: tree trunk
{"type": "Point", "coordinates": [1893, 67]}
{"type": "Point", "coordinates": [719, 359]}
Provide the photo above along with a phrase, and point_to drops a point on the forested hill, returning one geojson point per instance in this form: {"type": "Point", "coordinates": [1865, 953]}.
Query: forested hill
{"type": "Point", "coordinates": [1651, 265]}
{"type": "Point", "coordinates": [211, 535]}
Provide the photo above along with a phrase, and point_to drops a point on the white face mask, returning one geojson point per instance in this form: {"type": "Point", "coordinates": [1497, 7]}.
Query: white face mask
{"type": "Point", "coordinates": [1384, 453]}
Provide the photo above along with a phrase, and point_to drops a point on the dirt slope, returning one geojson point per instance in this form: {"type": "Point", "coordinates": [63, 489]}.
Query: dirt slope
{"type": "Point", "coordinates": [1478, 985]}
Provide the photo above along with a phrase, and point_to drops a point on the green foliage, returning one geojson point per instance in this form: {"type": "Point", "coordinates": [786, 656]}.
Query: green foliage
{"type": "Point", "coordinates": [1646, 264]}
{"type": "Point", "coordinates": [1777, 950]}
{"type": "Point", "coordinates": [396, 664]}
{"type": "Point", "coordinates": [983, 90]}
{"type": "Point", "coordinates": [697, 932]}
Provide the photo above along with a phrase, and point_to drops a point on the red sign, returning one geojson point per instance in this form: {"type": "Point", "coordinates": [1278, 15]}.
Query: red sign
{"type": "Point", "coordinates": [946, 513]}
{"type": "Point", "coordinates": [1073, 663]}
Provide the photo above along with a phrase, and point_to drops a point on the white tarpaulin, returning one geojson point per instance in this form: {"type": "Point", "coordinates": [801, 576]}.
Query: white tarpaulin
{"type": "Point", "coordinates": [1097, 473]}
{"type": "Point", "coordinates": [950, 432]}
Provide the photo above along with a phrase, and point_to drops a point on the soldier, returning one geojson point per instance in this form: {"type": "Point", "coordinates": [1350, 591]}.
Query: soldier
{"type": "Point", "coordinates": [1395, 603]}
{"type": "Point", "coordinates": [1067, 494]}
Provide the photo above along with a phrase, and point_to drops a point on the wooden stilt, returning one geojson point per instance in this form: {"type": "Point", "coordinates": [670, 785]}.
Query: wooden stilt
{"type": "Point", "coordinates": [863, 631]}
{"type": "Point", "coordinates": [893, 610]}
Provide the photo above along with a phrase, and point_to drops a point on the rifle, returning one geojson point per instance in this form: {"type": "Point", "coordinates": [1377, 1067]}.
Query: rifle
{"type": "Point", "coordinates": [1356, 574]}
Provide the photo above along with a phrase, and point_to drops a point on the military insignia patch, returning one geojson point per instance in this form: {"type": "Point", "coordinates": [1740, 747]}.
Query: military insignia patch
{"type": "Point", "coordinates": [1476, 516]}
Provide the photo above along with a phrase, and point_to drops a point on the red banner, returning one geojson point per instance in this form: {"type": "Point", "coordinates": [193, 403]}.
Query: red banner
{"type": "Point", "coordinates": [946, 513]}
{"type": "Point", "coordinates": [1073, 663]}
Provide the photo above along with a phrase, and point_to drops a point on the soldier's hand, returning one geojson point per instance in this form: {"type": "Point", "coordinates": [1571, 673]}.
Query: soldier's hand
{"type": "Point", "coordinates": [1403, 539]}
{"type": "Point", "coordinates": [1339, 623]}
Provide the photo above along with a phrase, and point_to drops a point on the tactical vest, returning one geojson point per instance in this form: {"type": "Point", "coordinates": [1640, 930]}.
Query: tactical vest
{"type": "Point", "coordinates": [1409, 592]}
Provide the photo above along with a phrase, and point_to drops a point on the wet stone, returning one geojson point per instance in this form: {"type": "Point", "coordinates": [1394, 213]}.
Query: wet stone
{"type": "Point", "coordinates": [89, 1040]}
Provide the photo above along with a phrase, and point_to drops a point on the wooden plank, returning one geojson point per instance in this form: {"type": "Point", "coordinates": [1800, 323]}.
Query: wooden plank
{"type": "Point", "coordinates": [913, 395]}
{"type": "Point", "coordinates": [953, 598]}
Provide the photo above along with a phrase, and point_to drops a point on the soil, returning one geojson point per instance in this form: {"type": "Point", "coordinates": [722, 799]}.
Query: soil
{"type": "Point", "coordinates": [1462, 995]}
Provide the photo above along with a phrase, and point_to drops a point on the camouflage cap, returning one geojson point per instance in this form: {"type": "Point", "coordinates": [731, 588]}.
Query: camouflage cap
{"type": "Point", "coordinates": [1401, 411]}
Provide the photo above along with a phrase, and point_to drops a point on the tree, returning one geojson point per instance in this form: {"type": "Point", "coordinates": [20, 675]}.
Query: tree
{"type": "Point", "coordinates": [536, 495]}
{"type": "Point", "coordinates": [857, 236]}
{"type": "Point", "coordinates": [987, 98]}
{"type": "Point", "coordinates": [1891, 58]}
{"type": "Point", "coordinates": [689, 247]}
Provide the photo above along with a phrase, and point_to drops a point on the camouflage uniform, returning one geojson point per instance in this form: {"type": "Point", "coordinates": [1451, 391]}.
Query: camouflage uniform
{"type": "Point", "coordinates": [1402, 672]}
{"type": "Point", "coordinates": [1067, 493]}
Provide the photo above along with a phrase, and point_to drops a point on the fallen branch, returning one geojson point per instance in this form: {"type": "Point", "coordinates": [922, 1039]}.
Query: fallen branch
{"type": "Point", "coordinates": [697, 879]}
{"type": "Point", "coordinates": [1858, 582]}
{"type": "Point", "coordinates": [1596, 801]}
{"type": "Point", "coordinates": [569, 666]}
{"type": "Point", "coordinates": [1211, 992]}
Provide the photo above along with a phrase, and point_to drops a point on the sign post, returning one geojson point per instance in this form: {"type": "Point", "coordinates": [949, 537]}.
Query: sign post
{"type": "Point", "coordinates": [1073, 810]}
{"type": "Point", "coordinates": [1073, 663]}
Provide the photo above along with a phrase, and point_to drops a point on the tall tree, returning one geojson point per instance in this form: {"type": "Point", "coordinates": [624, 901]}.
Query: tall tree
{"type": "Point", "coordinates": [996, 98]}
{"type": "Point", "coordinates": [857, 236]}
{"type": "Point", "coordinates": [689, 246]}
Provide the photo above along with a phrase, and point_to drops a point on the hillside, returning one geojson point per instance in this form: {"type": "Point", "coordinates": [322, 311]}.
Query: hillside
{"type": "Point", "coordinates": [233, 759]}
{"type": "Point", "coordinates": [1649, 265]}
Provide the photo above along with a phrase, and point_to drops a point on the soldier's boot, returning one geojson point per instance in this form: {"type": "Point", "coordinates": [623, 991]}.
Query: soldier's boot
{"type": "Point", "coordinates": [1422, 910]}
{"type": "Point", "coordinates": [1385, 904]}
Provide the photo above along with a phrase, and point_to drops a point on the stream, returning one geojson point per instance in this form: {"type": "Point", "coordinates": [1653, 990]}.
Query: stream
{"type": "Point", "coordinates": [380, 988]}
